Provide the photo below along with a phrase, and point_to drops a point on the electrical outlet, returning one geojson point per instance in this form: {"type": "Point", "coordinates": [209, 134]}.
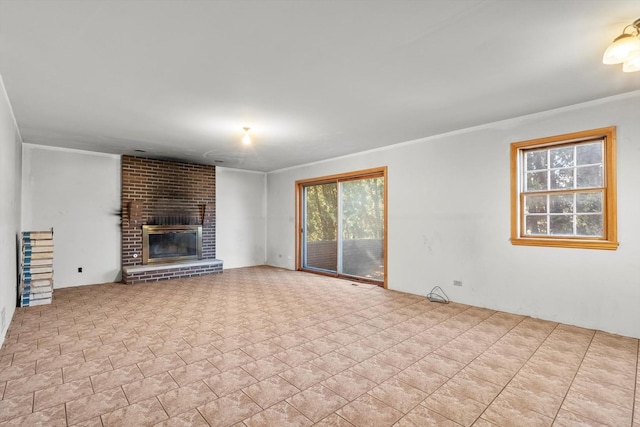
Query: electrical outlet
{"type": "Point", "coordinates": [457, 283]}
{"type": "Point", "coordinates": [2, 318]}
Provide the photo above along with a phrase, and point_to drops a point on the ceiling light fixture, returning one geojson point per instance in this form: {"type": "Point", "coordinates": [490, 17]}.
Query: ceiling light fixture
{"type": "Point", "coordinates": [625, 49]}
{"type": "Point", "coordinates": [246, 139]}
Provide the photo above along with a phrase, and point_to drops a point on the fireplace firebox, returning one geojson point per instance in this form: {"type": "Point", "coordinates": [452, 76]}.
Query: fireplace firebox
{"type": "Point", "coordinates": [171, 243]}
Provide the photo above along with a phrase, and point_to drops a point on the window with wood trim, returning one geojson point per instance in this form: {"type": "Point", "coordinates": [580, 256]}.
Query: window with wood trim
{"type": "Point", "coordinates": [563, 191]}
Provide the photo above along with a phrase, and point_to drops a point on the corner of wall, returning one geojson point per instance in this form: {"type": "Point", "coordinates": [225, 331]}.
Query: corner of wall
{"type": "Point", "coordinates": [10, 209]}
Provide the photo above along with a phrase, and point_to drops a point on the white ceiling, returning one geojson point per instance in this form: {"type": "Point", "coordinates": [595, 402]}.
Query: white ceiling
{"type": "Point", "coordinates": [313, 79]}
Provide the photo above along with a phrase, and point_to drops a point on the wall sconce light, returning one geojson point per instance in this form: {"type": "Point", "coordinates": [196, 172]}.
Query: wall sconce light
{"type": "Point", "coordinates": [625, 49]}
{"type": "Point", "coordinates": [246, 139]}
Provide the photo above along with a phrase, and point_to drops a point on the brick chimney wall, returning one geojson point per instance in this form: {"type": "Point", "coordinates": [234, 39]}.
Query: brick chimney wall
{"type": "Point", "coordinates": [159, 190]}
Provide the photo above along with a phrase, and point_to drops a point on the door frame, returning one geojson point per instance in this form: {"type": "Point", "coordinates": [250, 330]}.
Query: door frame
{"type": "Point", "coordinates": [337, 178]}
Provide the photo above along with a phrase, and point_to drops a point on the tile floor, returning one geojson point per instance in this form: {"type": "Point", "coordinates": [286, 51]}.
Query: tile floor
{"type": "Point", "coordinates": [267, 347]}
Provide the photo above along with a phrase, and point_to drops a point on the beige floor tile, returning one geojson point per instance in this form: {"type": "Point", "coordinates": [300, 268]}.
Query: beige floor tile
{"type": "Point", "coordinates": [186, 398]}
{"type": "Point", "coordinates": [115, 378]}
{"type": "Point", "coordinates": [49, 417]}
{"type": "Point", "coordinates": [604, 376]}
{"type": "Point", "coordinates": [542, 366]}
{"type": "Point", "coordinates": [262, 349]}
{"type": "Point", "coordinates": [462, 350]}
{"type": "Point", "coordinates": [531, 380]}
{"type": "Point", "coordinates": [363, 329]}
{"type": "Point", "coordinates": [198, 353]}
{"type": "Point", "coordinates": [17, 347]}
{"type": "Point", "coordinates": [295, 356]}
{"type": "Point", "coordinates": [310, 349]}
{"type": "Point", "coordinates": [565, 418]}
{"type": "Point", "coordinates": [481, 422]}
{"type": "Point", "coordinates": [544, 403]}
{"type": "Point", "coordinates": [86, 369]}
{"type": "Point", "coordinates": [193, 372]}
{"type": "Point", "coordinates": [80, 345]}
{"type": "Point", "coordinates": [37, 354]}
{"type": "Point", "coordinates": [29, 384]}
{"type": "Point", "coordinates": [317, 402]}
{"type": "Point", "coordinates": [333, 420]}
{"type": "Point", "coordinates": [348, 384]}
{"type": "Point", "coordinates": [161, 364]}
{"type": "Point", "coordinates": [229, 381]}
{"type": "Point", "coordinates": [130, 357]}
{"type": "Point", "coordinates": [281, 414]}
{"type": "Point", "coordinates": [416, 348]}
{"type": "Point", "coordinates": [289, 340]}
{"type": "Point", "coordinates": [265, 368]}
{"type": "Point", "coordinates": [474, 388]}
{"type": "Point", "coordinates": [367, 411]}
{"type": "Point", "coordinates": [141, 342]}
{"type": "Point", "coordinates": [333, 362]}
{"type": "Point", "coordinates": [16, 371]}
{"type": "Point", "coordinates": [58, 362]}
{"type": "Point", "coordinates": [149, 387]}
{"type": "Point", "coordinates": [17, 406]}
{"type": "Point", "coordinates": [506, 412]}
{"type": "Point", "coordinates": [118, 336]}
{"type": "Point", "coordinates": [88, 407]}
{"type": "Point", "coordinates": [421, 378]}
{"type": "Point", "coordinates": [187, 419]}
{"type": "Point", "coordinates": [379, 341]}
{"type": "Point", "coordinates": [313, 332]}
{"type": "Point", "coordinates": [5, 360]}
{"type": "Point", "coordinates": [357, 351]}
{"type": "Point", "coordinates": [375, 370]}
{"type": "Point", "coordinates": [422, 416]}
{"type": "Point", "coordinates": [270, 391]}
{"type": "Point", "coordinates": [398, 394]}
{"type": "Point", "coordinates": [441, 365]}
{"type": "Point", "coordinates": [610, 393]}
{"type": "Point", "coordinates": [145, 413]}
{"type": "Point", "coordinates": [63, 393]}
{"type": "Point", "coordinates": [106, 350]}
{"type": "Point", "coordinates": [461, 409]}
{"type": "Point", "coordinates": [167, 347]}
{"type": "Point", "coordinates": [229, 410]}
{"type": "Point", "coordinates": [598, 410]}
{"type": "Point", "coordinates": [305, 375]}
{"type": "Point", "coordinates": [228, 344]}
{"type": "Point", "coordinates": [334, 325]}
{"type": "Point", "coordinates": [395, 357]}
{"type": "Point", "coordinates": [490, 371]}
{"type": "Point", "coordinates": [230, 360]}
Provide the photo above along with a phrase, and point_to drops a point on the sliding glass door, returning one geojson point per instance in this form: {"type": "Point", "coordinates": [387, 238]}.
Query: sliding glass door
{"type": "Point", "coordinates": [361, 247]}
{"type": "Point", "coordinates": [321, 227]}
{"type": "Point", "coordinates": [343, 225]}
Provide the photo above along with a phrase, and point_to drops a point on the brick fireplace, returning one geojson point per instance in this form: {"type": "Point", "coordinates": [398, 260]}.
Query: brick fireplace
{"type": "Point", "coordinates": [157, 194]}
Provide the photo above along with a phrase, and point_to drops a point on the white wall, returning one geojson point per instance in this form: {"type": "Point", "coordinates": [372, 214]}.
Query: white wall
{"type": "Point", "coordinates": [78, 194]}
{"type": "Point", "coordinates": [449, 218]}
{"type": "Point", "coordinates": [10, 170]}
{"type": "Point", "coordinates": [240, 217]}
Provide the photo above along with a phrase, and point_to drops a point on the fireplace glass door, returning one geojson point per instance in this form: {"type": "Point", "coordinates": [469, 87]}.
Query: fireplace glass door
{"type": "Point", "coordinates": [171, 243]}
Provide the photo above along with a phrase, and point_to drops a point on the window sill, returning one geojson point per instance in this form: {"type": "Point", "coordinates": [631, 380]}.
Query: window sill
{"type": "Point", "coordinates": [565, 243]}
